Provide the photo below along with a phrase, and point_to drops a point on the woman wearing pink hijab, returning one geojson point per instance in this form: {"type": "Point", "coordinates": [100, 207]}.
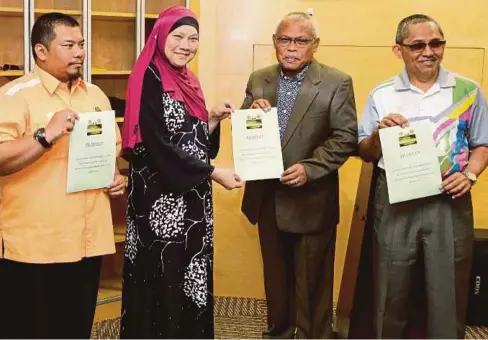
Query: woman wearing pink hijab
{"type": "Point", "coordinates": [169, 137]}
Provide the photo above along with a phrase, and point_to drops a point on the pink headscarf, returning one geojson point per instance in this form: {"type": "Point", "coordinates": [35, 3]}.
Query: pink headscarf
{"type": "Point", "coordinates": [181, 83]}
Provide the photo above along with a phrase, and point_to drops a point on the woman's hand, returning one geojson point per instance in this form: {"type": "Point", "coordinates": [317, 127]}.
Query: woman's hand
{"type": "Point", "coordinates": [227, 178]}
{"type": "Point", "coordinates": [219, 113]}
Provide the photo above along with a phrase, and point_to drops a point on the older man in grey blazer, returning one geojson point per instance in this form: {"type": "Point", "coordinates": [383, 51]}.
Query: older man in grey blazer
{"type": "Point", "coordinates": [298, 214]}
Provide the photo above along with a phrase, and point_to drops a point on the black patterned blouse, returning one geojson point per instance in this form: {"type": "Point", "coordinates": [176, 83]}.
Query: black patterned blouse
{"type": "Point", "coordinates": [168, 269]}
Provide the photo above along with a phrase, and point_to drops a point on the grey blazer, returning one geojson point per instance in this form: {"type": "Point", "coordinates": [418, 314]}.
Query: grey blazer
{"type": "Point", "coordinates": [321, 134]}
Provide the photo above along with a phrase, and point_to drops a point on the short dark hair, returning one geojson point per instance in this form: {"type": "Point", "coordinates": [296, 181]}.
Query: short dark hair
{"type": "Point", "coordinates": [43, 29]}
{"type": "Point", "coordinates": [404, 26]}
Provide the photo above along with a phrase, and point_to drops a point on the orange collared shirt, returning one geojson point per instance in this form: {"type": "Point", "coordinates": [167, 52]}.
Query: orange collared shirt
{"type": "Point", "coordinates": [39, 221]}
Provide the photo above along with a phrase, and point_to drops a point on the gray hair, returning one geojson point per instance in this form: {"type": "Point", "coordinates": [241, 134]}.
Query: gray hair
{"type": "Point", "coordinates": [404, 26]}
{"type": "Point", "coordinates": [299, 16]}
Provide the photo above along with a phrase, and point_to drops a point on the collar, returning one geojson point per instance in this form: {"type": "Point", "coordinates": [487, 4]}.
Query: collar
{"type": "Point", "coordinates": [51, 83]}
{"type": "Point", "coordinates": [445, 79]}
{"type": "Point", "coordinates": [299, 77]}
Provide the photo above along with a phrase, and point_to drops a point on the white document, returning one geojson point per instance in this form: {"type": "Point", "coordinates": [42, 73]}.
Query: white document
{"type": "Point", "coordinates": [92, 152]}
{"type": "Point", "coordinates": [411, 163]}
{"type": "Point", "coordinates": [256, 144]}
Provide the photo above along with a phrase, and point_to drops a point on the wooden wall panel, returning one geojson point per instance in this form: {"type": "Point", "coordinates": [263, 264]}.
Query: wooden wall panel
{"type": "Point", "coordinates": [12, 41]}
{"type": "Point", "coordinates": [59, 4]}
{"type": "Point", "coordinates": [11, 3]}
{"type": "Point", "coordinates": [156, 6]}
{"type": "Point", "coordinates": [123, 6]}
{"type": "Point", "coordinates": [113, 44]}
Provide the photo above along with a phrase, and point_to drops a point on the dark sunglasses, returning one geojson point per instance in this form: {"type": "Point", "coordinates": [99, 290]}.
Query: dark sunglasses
{"type": "Point", "coordinates": [7, 67]}
{"type": "Point", "coordinates": [421, 45]}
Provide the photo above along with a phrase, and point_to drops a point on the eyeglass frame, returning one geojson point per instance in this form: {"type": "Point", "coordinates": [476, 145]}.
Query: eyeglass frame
{"type": "Point", "coordinates": [296, 41]}
{"type": "Point", "coordinates": [442, 43]}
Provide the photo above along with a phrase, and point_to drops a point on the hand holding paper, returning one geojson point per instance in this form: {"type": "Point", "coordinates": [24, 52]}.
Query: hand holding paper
{"type": "Point", "coordinates": [227, 178]}
{"type": "Point", "coordinates": [393, 119]}
{"type": "Point", "coordinates": [60, 123]}
{"type": "Point", "coordinates": [261, 104]}
{"type": "Point", "coordinates": [117, 188]}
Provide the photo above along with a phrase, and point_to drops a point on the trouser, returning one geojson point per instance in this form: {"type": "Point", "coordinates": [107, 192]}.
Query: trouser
{"type": "Point", "coordinates": [298, 278]}
{"type": "Point", "coordinates": [48, 300]}
{"type": "Point", "coordinates": [423, 248]}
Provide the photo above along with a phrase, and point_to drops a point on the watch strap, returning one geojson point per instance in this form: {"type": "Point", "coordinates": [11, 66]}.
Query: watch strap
{"type": "Point", "coordinates": [40, 136]}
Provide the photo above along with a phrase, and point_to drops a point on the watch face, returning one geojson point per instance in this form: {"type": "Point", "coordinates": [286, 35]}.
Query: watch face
{"type": "Point", "coordinates": [470, 176]}
{"type": "Point", "coordinates": [40, 136]}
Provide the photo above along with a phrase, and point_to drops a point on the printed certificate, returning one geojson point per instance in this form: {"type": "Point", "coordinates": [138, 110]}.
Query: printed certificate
{"type": "Point", "coordinates": [92, 152]}
{"type": "Point", "coordinates": [256, 144]}
{"type": "Point", "coordinates": [411, 163]}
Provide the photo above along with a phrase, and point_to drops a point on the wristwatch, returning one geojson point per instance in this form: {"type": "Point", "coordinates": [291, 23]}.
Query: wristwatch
{"type": "Point", "coordinates": [471, 176]}
{"type": "Point", "coordinates": [40, 136]}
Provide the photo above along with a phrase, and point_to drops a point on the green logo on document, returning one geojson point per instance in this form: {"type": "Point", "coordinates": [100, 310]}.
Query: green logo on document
{"type": "Point", "coordinates": [254, 121]}
{"type": "Point", "coordinates": [407, 138]}
{"type": "Point", "coordinates": [94, 127]}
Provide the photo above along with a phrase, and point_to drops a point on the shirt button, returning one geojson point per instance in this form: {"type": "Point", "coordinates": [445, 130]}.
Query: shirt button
{"type": "Point", "coordinates": [284, 111]}
{"type": "Point", "coordinates": [288, 93]}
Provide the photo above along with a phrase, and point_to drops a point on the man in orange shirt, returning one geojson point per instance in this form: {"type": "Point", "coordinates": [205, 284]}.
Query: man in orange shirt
{"type": "Point", "coordinates": [51, 242]}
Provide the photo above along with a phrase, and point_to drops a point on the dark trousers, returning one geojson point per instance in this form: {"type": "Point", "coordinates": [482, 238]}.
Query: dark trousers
{"type": "Point", "coordinates": [423, 262]}
{"type": "Point", "coordinates": [298, 278]}
{"type": "Point", "coordinates": [48, 300]}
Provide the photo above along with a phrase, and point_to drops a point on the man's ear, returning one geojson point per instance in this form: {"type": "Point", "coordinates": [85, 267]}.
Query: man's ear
{"type": "Point", "coordinates": [316, 44]}
{"type": "Point", "coordinates": [41, 51]}
{"type": "Point", "coordinates": [397, 50]}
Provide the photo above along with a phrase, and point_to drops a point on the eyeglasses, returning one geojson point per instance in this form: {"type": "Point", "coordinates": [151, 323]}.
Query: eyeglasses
{"type": "Point", "coordinates": [434, 44]}
{"type": "Point", "coordinates": [300, 42]}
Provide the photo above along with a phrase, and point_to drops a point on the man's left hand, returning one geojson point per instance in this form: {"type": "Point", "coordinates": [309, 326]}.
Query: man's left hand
{"type": "Point", "coordinates": [295, 176]}
{"type": "Point", "coordinates": [117, 188]}
{"type": "Point", "coordinates": [456, 185]}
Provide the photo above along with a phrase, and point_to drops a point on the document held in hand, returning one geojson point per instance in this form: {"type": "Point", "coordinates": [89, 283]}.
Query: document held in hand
{"type": "Point", "coordinates": [256, 144]}
{"type": "Point", "coordinates": [411, 163]}
{"type": "Point", "coordinates": [92, 152]}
